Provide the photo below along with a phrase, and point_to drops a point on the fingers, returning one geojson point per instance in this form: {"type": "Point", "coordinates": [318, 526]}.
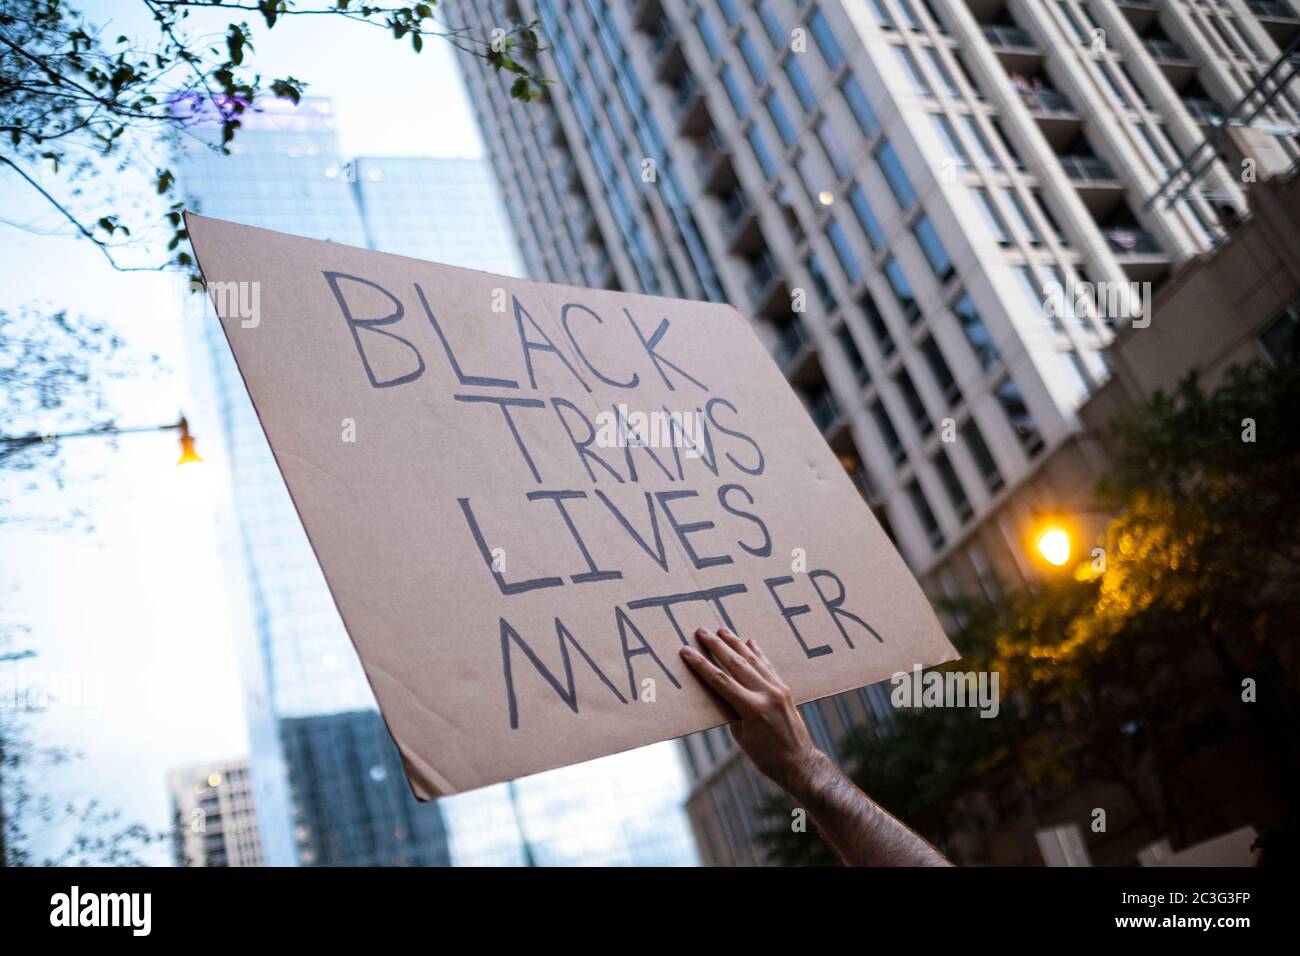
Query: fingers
{"type": "Point", "coordinates": [761, 663]}
{"type": "Point", "coordinates": [732, 656]}
{"type": "Point", "coordinates": [741, 700]}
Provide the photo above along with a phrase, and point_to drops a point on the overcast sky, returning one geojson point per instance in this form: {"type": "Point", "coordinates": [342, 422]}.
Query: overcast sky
{"type": "Point", "coordinates": [129, 620]}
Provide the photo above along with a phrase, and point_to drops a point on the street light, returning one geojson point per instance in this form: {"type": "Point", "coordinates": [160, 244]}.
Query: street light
{"type": "Point", "coordinates": [1054, 545]}
{"type": "Point", "coordinates": [188, 454]}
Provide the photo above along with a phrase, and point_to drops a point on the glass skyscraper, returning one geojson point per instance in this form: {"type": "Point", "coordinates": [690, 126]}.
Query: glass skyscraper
{"type": "Point", "coordinates": [325, 771]}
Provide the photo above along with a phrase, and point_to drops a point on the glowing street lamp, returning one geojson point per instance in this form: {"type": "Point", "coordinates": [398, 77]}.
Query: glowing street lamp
{"type": "Point", "coordinates": [1054, 546]}
{"type": "Point", "coordinates": [188, 454]}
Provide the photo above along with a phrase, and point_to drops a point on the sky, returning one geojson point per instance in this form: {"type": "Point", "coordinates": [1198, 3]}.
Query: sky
{"type": "Point", "coordinates": [131, 620]}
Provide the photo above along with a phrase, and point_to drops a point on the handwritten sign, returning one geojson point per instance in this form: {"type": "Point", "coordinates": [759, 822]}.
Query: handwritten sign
{"type": "Point", "coordinates": [526, 497]}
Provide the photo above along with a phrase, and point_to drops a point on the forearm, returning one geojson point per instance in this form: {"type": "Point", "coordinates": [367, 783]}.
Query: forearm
{"type": "Point", "coordinates": [859, 831]}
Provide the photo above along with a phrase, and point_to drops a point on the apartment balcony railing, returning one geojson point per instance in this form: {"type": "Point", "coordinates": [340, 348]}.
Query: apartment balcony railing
{"type": "Point", "coordinates": [1087, 168]}
{"type": "Point", "coordinates": [1008, 37]}
{"type": "Point", "coordinates": [1271, 9]}
{"type": "Point", "coordinates": [1205, 111]}
{"type": "Point", "coordinates": [1166, 51]}
{"type": "Point", "coordinates": [1048, 102]}
{"type": "Point", "coordinates": [1128, 241]}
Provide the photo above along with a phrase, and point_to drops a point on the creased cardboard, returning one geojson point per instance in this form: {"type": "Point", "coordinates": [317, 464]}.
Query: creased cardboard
{"type": "Point", "coordinates": [516, 571]}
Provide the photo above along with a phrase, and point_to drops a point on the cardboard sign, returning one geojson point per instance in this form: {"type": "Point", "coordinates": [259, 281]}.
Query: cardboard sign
{"type": "Point", "coordinates": [526, 497]}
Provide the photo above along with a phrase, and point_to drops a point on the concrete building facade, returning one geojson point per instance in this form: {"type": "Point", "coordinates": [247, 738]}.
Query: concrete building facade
{"type": "Point", "coordinates": [902, 195]}
{"type": "Point", "coordinates": [215, 815]}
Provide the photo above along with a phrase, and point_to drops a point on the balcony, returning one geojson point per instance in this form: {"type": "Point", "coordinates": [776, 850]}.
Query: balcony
{"type": "Point", "coordinates": [1087, 169]}
{"type": "Point", "coordinates": [1174, 62]}
{"type": "Point", "coordinates": [1205, 112]}
{"type": "Point", "coordinates": [1165, 51]}
{"type": "Point", "coordinates": [1131, 241]}
{"type": "Point", "coordinates": [1055, 114]}
{"type": "Point", "coordinates": [1140, 14]}
{"type": "Point", "coordinates": [1138, 252]}
{"type": "Point", "coordinates": [1271, 9]}
{"type": "Point", "coordinates": [1008, 36]}
{"type": "Point", "coordinates": [1279, 19]}
{"type": "Point", "coordinates": [1015, 48]}
{"type": "Point", "coordinates": [1095, 183]}
{"type": "Point", "coordinates": [1048, 102]}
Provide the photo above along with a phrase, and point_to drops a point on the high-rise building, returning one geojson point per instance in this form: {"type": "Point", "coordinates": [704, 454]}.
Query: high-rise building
{"type": "Point", "coordinates": [215, 815]}
{"type": "Point", "coordinates": [353, 811]}
{"type": "Point", "coordinates": [904, 196]}
{"type": "Point", "coordinates": [330, 787]}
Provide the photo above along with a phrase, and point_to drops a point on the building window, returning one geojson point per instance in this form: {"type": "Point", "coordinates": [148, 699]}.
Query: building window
{"type": "Point", "coordinates": [821, 282]}
{"type": "Point", "coordinates": [977, 335]}
{"type": "Point", "coordinates": [761, 152]}
{"type": "Point", "coordinates": [1022, 217]}
{"type": "Point", "coordinates": [883, 19]}
{"type": "Point", "coordinates": [979, 451]}
{"type": "Point", "coordinates": [929, 524]}
{"type": "Point", "coordinates": [1037, 301]}
{"type": "Point", "coordinates": [913, 72]}
{"type": "Point", "coordinates": [784, 128]}
{"type": "Point", "coordinates": [902, 290]}
{"type": "Point", "coordinates": [876, 322]}
{"type": "Point", "coordinates": [952, 485]}
{"type": "Point", "coordinates": [734, 93]}
{"type": "Point", "coordinates": [1278, 337]}
{"type": "Point", "coordinates": [950, 88]}
{"type": "Point", "coordinates": [799, 81]}
{"type": "Point", "coordinates": [895, 174]}
{"type": "Point", "coordinates": [888, 434]}
{"type": "Point", "coordinates": [915, 407]}
{"type": "Point", "coordinates": [856, 97]}
{"type": "Point", "coordinates": [948, 135]}
{"type": "Point", "coordinates": [824, 37]}
{"type": "Point", "coordinates": [834, 151]}
{"type": "Point", "coordinates": [710, 38]}
{"type": "Point", "coordinates": [1017, 412]}
{"type": "Point", "coordinates": [939, 369]}
{"type": "Point", "coordinates": [934, 250]}
{"type": "Point", "coordinates": [984, 202]}
{"type": "Point", "coordinates": [753, 60]}
{"type": "Point", "coordinates": [986, 154]}
{"type": "Point", "coordinates": [843, 251]}
{"type": "Point", "coordinates": [775, 35]}
{"type": "Point", "coordinates": [866, 218]}
{"type": "Point", "coordinates": [859, 366]}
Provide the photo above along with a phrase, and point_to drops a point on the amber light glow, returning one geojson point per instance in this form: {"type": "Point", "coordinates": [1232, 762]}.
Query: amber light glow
{"type": "Point", "coordinates": [1054, 546]}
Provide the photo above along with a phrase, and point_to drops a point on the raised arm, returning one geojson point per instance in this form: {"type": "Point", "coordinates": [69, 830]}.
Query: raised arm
{"type": "Point", "coordinates": [771, 732]}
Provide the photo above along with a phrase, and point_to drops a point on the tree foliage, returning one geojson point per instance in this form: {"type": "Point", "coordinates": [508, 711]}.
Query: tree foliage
{"type": "Point", "coordinates": [76, 99]}
{"type": "Point", "coordinates": [1122, 672]}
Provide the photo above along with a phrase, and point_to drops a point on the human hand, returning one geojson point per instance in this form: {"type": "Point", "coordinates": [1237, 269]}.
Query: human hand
{"type": "Point", "coordinates": [768, 728]}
